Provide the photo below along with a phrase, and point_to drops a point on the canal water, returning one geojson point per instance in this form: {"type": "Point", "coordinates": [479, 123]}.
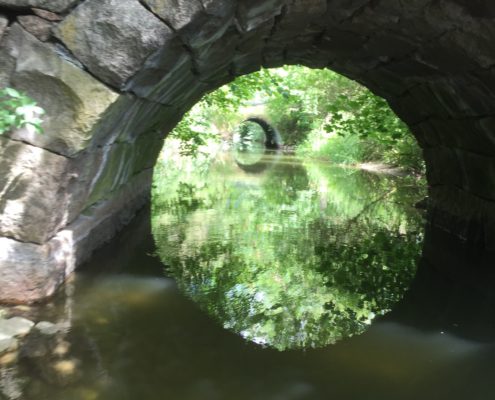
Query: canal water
{"type": "Point", "coordinates": [293, 280]}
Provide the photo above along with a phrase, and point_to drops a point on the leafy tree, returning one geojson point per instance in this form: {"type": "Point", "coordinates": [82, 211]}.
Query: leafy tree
{"type": "Point", "coordinates": [320, 112]}
{"type": "Point", "coordinates": [18, 110]}
{"type": "Point", "coordinates": [220, 109]}
{"type": "Point", "coordinates": [300, 256]}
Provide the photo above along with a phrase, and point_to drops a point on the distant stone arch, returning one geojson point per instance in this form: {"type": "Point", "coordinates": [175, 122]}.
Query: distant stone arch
{"type": "Point", "coordinates": [115, 76]}
{"type": "Point", "coordinates": [263, 157]}
{"type": "Point", "coordinates": [273, 137]}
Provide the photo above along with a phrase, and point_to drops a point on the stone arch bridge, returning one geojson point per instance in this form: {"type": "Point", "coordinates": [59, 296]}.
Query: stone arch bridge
{"type": "Point", "coordinates": [116, 75]}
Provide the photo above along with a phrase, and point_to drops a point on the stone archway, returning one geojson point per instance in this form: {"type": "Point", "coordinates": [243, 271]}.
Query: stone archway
{"type": "Point", "coordinates": [256, 139]}
{"type": "Point", "coordinates": [116, 75]}
{"type": "Point", "coordinates": [273, 138]}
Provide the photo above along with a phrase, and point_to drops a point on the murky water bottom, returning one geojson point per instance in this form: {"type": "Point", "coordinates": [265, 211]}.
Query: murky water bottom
{"type": "Point", "coordinates": [134, 335]}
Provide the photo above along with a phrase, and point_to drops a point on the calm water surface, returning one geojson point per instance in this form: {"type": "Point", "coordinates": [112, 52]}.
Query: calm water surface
{"type": "Point", "coordinates": [299, 281]}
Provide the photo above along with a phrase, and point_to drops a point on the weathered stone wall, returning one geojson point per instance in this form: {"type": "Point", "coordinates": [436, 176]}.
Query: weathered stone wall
{"type": "Point", "coordinates": [115, 76]}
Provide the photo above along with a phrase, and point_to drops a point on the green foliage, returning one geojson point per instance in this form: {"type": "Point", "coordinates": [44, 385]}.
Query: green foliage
{"type": "Point", "coordinates": [300, 256]}
{"type": "Point", "coordinates": [219, 110]}
{"type": "Point", "coordinates": [308, 107]}
{"type": "Point", "coordinates": [18, 110]}
{"type": "Point", "coordinates": [337, 149]}
{"type": "Point", "coordinates": [382, 135]}
{"type": "Point", "coordinates": [300, 105]}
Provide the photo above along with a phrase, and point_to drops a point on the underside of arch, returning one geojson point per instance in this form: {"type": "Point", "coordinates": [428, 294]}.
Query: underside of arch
{"type": "Point", "coordinates": [115, 76]}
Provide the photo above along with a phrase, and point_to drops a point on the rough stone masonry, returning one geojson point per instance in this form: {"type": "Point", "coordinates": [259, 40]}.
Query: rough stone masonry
{"type": "Point", "coordinates": [115, 76]}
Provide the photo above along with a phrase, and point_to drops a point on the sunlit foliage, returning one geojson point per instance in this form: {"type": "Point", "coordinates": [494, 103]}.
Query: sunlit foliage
{"type": "Point", "coordinates": [320, 112]}
{"type": "Point", "coordinates": [300, 256]}
{"type": "Point", "coordinates": [18, 110]}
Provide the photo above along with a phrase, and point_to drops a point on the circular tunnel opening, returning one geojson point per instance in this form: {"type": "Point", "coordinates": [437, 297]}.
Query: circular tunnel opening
{"type": "Point", "coordinates": [296, 248]}
{"type": "Point", "coordinates": [255, 145]}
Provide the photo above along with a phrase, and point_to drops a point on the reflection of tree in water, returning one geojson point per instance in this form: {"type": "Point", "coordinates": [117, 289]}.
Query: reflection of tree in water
{"type": "Point", "coordinates": [273, 264]}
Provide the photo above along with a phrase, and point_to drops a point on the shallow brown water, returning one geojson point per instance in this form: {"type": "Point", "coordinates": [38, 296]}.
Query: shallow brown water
{"type": "Point", "coordinates": [220, 322]}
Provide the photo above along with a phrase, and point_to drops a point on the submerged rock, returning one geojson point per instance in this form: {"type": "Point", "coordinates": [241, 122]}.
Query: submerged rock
{"type": "Point", "coordinates": [8, 345]}
{"type": "Point", "coordinates": [15, 327]}
{"type": "Point", "coordinates": [48, 354]}
{"type": "Point", "coordinates": [49, 328]}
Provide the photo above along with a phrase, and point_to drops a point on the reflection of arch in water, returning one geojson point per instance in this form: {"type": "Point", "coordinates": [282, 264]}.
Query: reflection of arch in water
{"type": "Point", "coordinates": [265, 157]}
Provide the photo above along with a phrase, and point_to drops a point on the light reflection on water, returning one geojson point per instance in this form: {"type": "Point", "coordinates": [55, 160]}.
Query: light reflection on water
{"type": "Point", "coordinates": [134, 335]}
{"type": "Point", "coordinates": [299, 255]}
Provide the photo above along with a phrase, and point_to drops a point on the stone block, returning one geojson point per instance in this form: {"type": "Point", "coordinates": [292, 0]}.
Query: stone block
{"type": "Point", "coordinates": [390, 44]}
{"type": "Point", "coordinates": [47, 15]}
{"type": "Point", "coordinates": [167, 58]}
{"type": "Point", "coordinates": [425, 134]}
{"type": "Point", "coordinates": [40, 191]}
{"type": "Point", "coordinates": [412, 69]}
{"type": "Point", "coordinates": [446, 56]}
{"type": "Point", "coordinates": [307, 10]}
{"type": "Point", "coordinates": [51, 5]}
{"type": "Point", "coordinates": [467, 134]}
{"type": "Point", "coordinates": [31, 272]}
{"type": "Point", "coordinates": [486, 126]}
{"type": "Point", "coordinates": [400, 106]}
{"type": "Point", "coordinates": [177, 13]}
{"type": "Point", "coordinates": [198, 22]}
{"type": "Point", "coordinates": [131, 117]}
{"type": "Point", "coordinates": [477, 9]}
{"type": "Point", "coordinates": [72, 99]}
{"type": "Point", "coordinates": [256, 40]}
{"type": "Point", "coordinates": [341, 43]}
{"type": "Point", "coordinates": [375, 16]}
{"type": "Point", "coordinates": [473, 95]}
{"type": "Point", "coordinates": [285, 35]}
{"type": "Point", "coordinates": [477, 44]}
{"type": "Point", "coordinates": [217, 80]}
{"type": "Point", "coordinates": [120, 162]}
{"type": "Point", "coordinates": [479, 174]}
{"type": "Point", "coordinates": [444, 167]}
{"type": "Point", "coordinates": [218, 56]}
{"type": "Point", "coordinates": [273, 57]}
{"type": "Point", "coordinates": [4, 22]}
{"type": "Point", "coordinates": [253, 13]}
{"type": "Point", "coordinates": [340, 10]}
{"type": "Point", "coordinates": [459, 97]}
{"type": "Point", "coordinates": [175, 87]}
{"type": "Point", "coordinates": [390, 84]}
{"type": "Point", "coordinates": [33, 202]}
{"type": "Point", "coordinates": [244, 64]}
{"type": "Point", "coordinates": [101, 221]}
{"type": "Point", "coordinates": [301, 53]}
{"type": "Point", "coordinates": [36, 26]}
{"type": "Point", "coordinates": [7, 64]}
{"type": "Point", "coordinates": [299, 16]}
{"type": "Point", "coordinates": [112, 38]}
{"type": "Point", "coordinates": [411, 106]}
